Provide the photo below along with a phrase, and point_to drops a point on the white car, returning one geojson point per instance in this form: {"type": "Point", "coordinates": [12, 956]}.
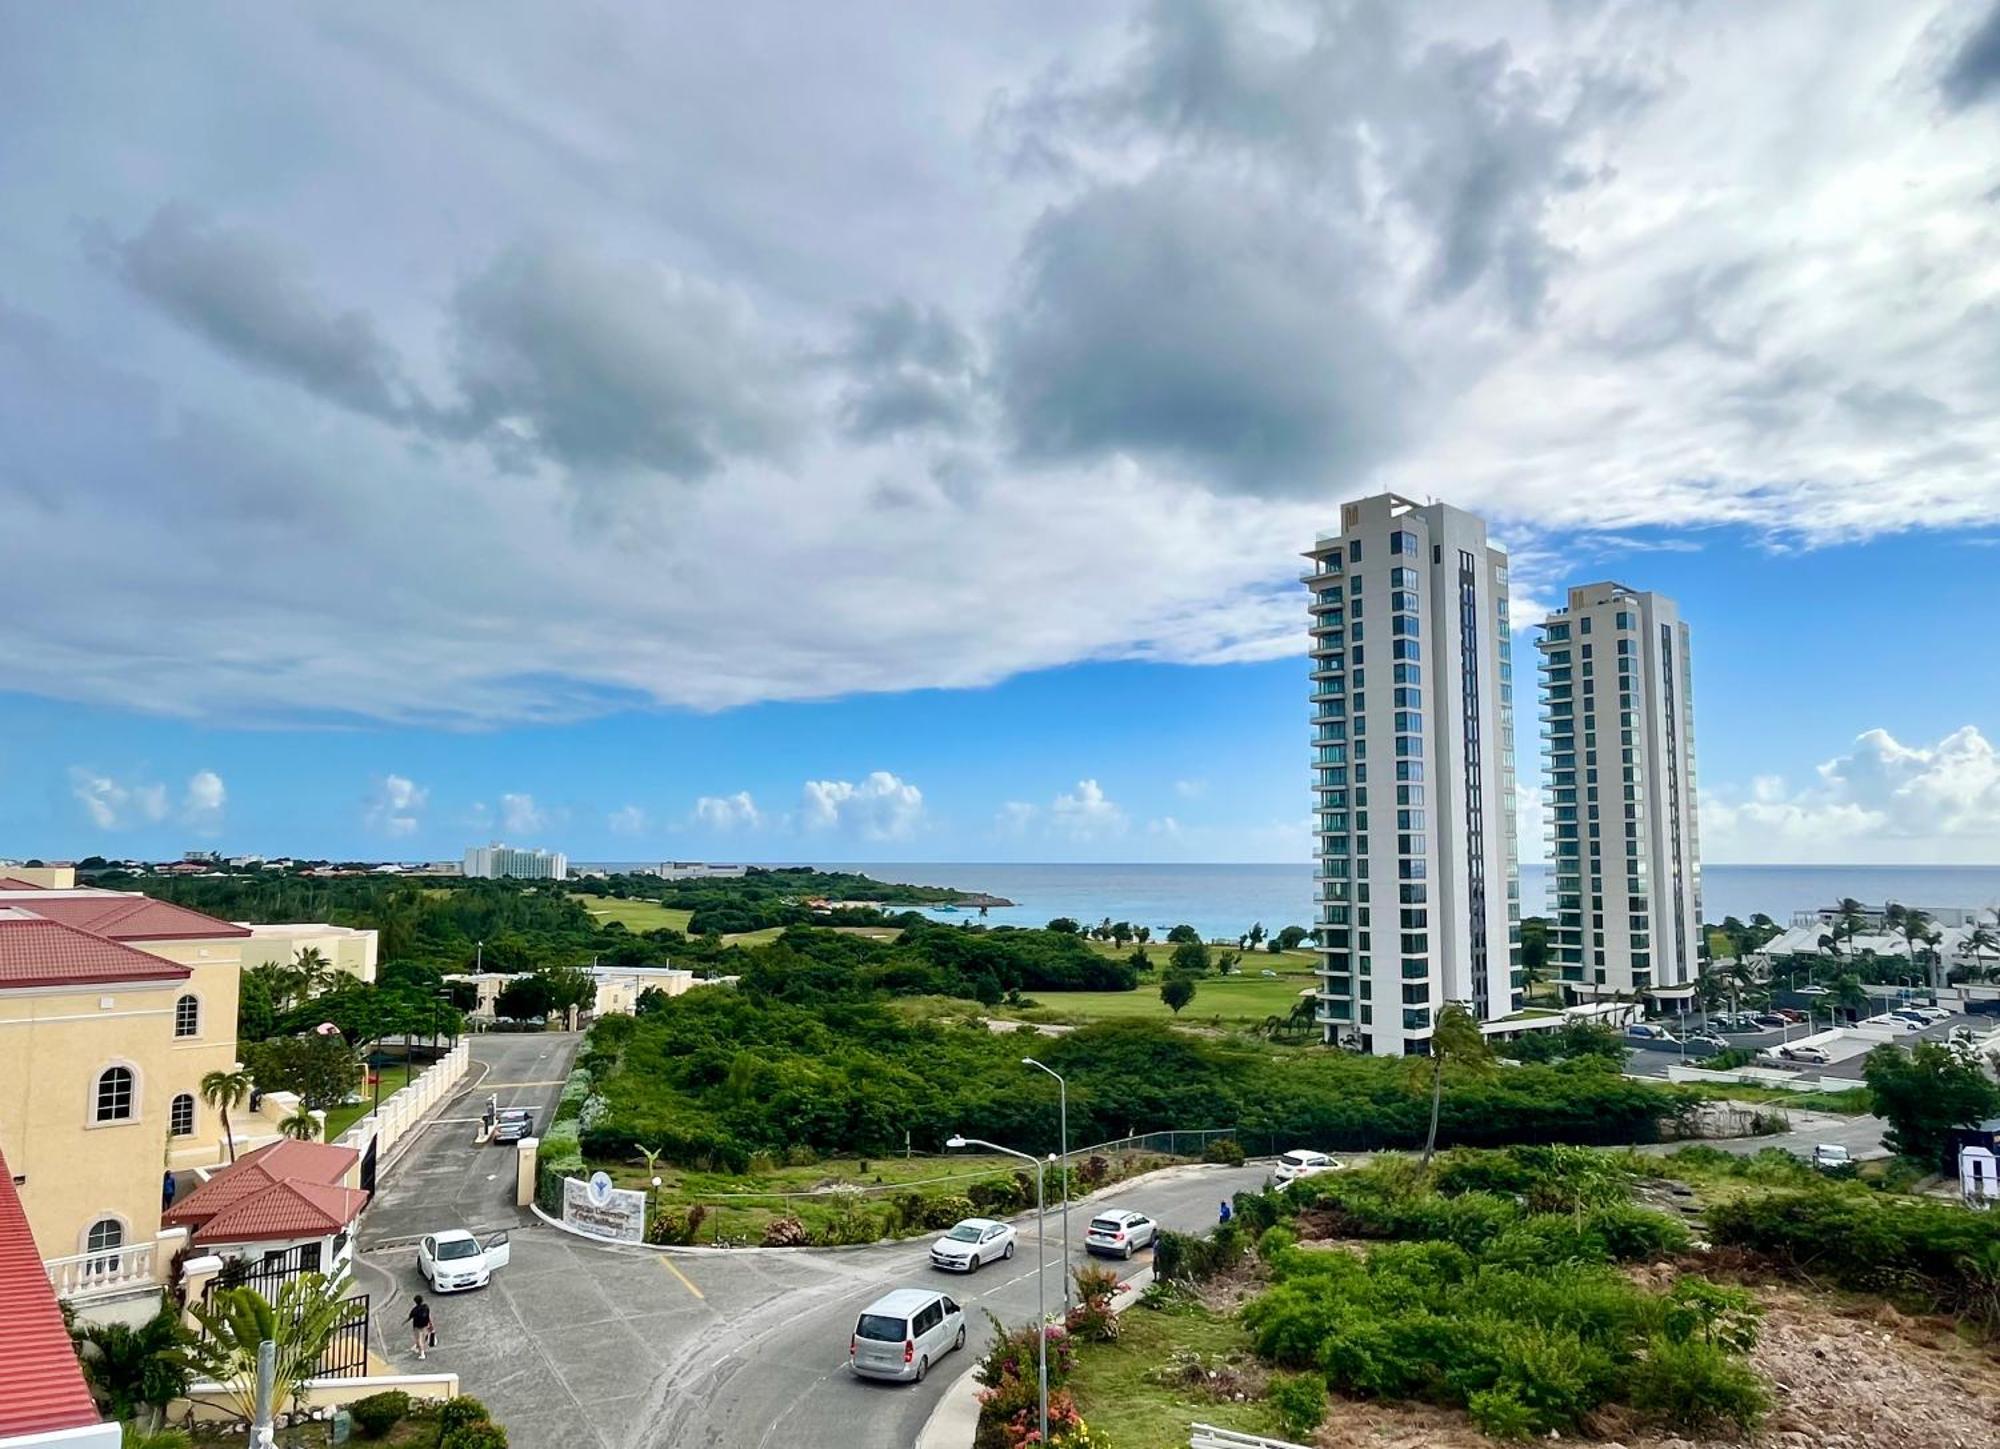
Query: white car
{"type": "Point", "coordinates": [972, 1243]}
{"type": "Point", "coordinates": [1829, 1155]}
{"type": "Point", "coordinates": [1813, 991]}
{"type": "Point", "coordinates": [454, 1259]}
{"type": "Point", "coordinates": [1817, 1056]}
{"type": "Point", "coordinates": [1298, 1163]}
{"type": "Point", "coordinates": [1934, 1013]}
{"type": "Point", "coordinates": [1120, 1233]}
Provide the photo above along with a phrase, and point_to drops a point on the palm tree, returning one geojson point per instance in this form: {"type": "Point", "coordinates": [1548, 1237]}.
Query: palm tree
{"type": "Point", "coordinates": [315, 971]}
{"type": "Point", "coordinates": [1850, 919]}
{"type": "Point", "coordinates": [1848, 994]}
{"type": "Point", "coordinates": [1915, 927]}
{"type": "Point", "coordinates": [1978, 941]}
{"type": "Point", "coordinates": [301, 1126]}
{"type": "Point", "coordinates": [1455, 1040]}
{"type": "Point", "coordinates": [301, 1323]}
{"type": "Point", "coordinates": [223, 1090]}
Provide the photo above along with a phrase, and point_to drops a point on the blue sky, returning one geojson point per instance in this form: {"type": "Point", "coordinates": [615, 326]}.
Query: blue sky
{"type": "Point", "coordinates": [891, 433]}
{"type": "Point", "coordinates": [1798, 652]}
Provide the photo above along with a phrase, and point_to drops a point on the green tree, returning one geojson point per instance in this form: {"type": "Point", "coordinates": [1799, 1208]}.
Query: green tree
{"type": "Point", "coordinates": [301, 1126]}
{"type": "Point", "coordinates": [128, 1369]}
{"type": "Point", "coordinates": [1190, 958]}
{"type": "Point", "coordinates": [256, 1013]}
{"type": "Point", "coordinates": [302, 1321]}
{"type": "Point", "coordinates": [1291, 936]}
{"type": "Point", "coordinates": [223, 1091]}
{"type": "Point", "coordinates": [571, 989]}
{"type": "Point", "coordinates": [1456, 1042]}
{"type": "Point", "coordinates": [1848, 994]}
{"type": "Point", "coordinates": [315, 972]}
{"type": "Point", "coordinates": [1177, 991]}
{"type": "Point", "coordinates": [1925, 1093]}
{"type": "Point", "coordinates": [320, 1069]}
{"type": "Point", "coordinates": [1065, 926]}
{"type": "Point", "coordinates": [1182, 933]}
{"type": "Point", "coordinates": [1919, 935]}
{"type": "Point", "coordinates": [1139, 960]}
{"type": "Point", "coordinates": [526, 998]}
{"type": "Point", "coordinates": [1256, 936]}
{"type": "Point", "coordinates": [1979, 942]}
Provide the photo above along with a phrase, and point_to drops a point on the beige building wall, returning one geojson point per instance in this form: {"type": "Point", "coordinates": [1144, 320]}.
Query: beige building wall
{"type": "Point", "coordinates": [55, 1042]}
{"type": "Point", "coordinates": [48, 877]}
{"type": "Point", "coordinates": [346, 948]}
{"type": "Point", "coordinates": [217, 968]}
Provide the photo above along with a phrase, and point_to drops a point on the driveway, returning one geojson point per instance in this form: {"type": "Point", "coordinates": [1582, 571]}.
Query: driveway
{"type": "Point", "coordinates": [577, 1344]}
{"type": "Point", "coordinates": [438, 1176]}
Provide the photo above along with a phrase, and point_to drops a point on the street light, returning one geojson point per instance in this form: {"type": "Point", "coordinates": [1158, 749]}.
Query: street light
{"type": "Point", "coordinates": [1062, 1089]}
{"type": "Point", "coordinates": [1041, 1298]}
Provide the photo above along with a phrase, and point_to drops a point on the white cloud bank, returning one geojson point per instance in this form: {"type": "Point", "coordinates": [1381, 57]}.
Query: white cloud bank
{"type": "Point", "coordinates": [396, 805]}
{"type": "Point", "coordinates": [728, 812]}
{"type": "Point", "coordinates": [112, 804]}
{"type": "Point", "coordinates": [1881, 803]}
{"type": "Point", "coordinates": [879, 807]}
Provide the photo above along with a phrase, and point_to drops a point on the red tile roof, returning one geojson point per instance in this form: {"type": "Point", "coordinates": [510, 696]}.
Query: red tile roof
{"type": "Point", "coordinates": [41, 1387]}
{"type": "Point", "coordinates": [38, 952]}
{"type": "Point", "coordinates": [292, 1208]}
{"type": "Point", "coordinates": [125, 917]}
{"type": "Point", "coordinates": [313, 1163]}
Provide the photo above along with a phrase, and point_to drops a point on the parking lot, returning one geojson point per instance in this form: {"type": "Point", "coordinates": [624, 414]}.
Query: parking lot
{"type": "Point", "coordinates": [1848, 1053]}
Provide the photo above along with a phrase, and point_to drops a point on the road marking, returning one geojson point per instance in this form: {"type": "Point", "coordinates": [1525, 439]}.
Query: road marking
{"type": "Point", "coordinates": [497, 1086]}
{"type": "Point", "coordinates": [686, 1282]}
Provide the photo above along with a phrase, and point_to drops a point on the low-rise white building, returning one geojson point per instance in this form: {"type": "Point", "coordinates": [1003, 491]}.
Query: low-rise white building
{"type": "Point", "coordinates": [345, 948]}
{"type": "Point", "coordinates": [698, 870]}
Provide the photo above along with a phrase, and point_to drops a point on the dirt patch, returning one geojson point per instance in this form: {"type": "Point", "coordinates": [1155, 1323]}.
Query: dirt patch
{"type": "Point", "coordinates": [1843, 1375]}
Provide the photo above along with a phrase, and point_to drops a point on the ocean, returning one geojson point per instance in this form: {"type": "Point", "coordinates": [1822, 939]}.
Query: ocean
{"type": "Point", "coordinates": [1224, 900]}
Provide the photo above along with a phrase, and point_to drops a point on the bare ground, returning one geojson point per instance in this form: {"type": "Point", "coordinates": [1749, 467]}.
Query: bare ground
{"type": "Point", "coordinates": [1843, 1375]}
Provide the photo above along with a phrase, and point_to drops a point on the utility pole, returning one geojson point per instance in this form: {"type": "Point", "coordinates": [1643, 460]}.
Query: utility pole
{"type": "Point", "coordinates": [262, 1432]}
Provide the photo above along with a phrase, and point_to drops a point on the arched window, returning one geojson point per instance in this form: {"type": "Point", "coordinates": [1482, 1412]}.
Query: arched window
{"type": "Point", "coordinates": [115, 1095]}
{"type": "Point", "coordinates": [187, 1016]}
{"type": "Point", "coordinates": [180, 1117]}
{"type": "Point", "coordinates": [106, 1236]}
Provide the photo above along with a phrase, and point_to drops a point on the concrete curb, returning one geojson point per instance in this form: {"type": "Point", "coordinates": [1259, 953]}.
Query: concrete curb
{"type": "Point", "coordinates": [695, 1250]}
{"type": "Point", "coordinates": [955, 1420]}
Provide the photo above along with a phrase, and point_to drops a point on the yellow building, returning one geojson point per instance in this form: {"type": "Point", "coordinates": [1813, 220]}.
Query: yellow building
{"type": "Point", "coordinates": [343, 948]}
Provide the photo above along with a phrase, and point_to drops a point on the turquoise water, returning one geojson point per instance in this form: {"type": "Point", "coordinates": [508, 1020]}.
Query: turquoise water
{"type": "Point", "coordinates": [1223, 900]}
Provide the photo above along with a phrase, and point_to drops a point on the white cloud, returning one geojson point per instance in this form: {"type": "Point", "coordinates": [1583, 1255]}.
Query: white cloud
{"type": "Point", "coordinates": [1881, 802]}
{"type": "Point", "coordinates": [628, 820]}
{"type": "Point", "coordinates": [1015, 817]}
{"type": "Point", "coordinates": [1085, 813]}
{"type": "Point", "coordinates": [1190, 789]}
{"type": "Point", "coordinates": [395, 806]}
{"type": "Point", "coordinates": [202, 806]}
{"type": "Point", "coordinates": [728, 812]}
{"type": "Point", "coordinates": [1166, 827]}
{"type": "Point", "coordinates": [521, 816]}
{"type": "Point", "coordinates": [113, 805]}
{"type": "Point", "coordinates": [880, 807]}
{"type": "Point", "coordinates": [1746, 245]}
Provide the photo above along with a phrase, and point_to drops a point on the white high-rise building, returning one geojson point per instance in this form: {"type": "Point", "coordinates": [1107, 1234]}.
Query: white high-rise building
{"type": "Point", "coordinates": [497, 862]}
{"type": "Point", "coordinates": [1618, 718]}
{"type": "Point", "coordinates": [1419, 897]}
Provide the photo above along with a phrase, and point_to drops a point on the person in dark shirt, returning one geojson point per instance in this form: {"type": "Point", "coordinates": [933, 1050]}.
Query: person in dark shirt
{"type": "Point", "coordinates": [423, 1332]}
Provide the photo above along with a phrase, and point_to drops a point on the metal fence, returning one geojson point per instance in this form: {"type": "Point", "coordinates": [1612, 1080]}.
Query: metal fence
{"type": "Point", "coordinates": [346, 1352]}
{"type": "Point", "coordinates": [1207, 1436]}
{"type": "Point", "coordinates": [267, 1275]}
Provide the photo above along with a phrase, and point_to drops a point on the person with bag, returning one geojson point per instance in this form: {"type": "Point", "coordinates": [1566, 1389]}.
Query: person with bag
{"type": "Point", "coordinates": [423, 1330]}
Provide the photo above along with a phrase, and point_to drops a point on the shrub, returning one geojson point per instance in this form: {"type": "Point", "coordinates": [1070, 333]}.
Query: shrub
{"type": "Point", "coordinates": [1300, 1400]}
{"type": "Point", "coordinates": [676, 1227]}
{"type": "Point", "coordinates": [1498, 1413]}
{"type": "Point", "coordinates": [483, 1435]}
{"type": "Point", "coordinates": [1195, 1259]}
{"type": "Point", "coordinates": [785, 1232]}
{"type": "Point", "coordinates": [459, 1413]}
{"type": "Point", "coordinates": [997, 1196]}
{"type": "Point", "coordinates": [1226, 1150]}
{"type": "Point", "coordinates": [1274, 1240]}
{"type": "Point", "coordinates": [379, 1413]}
{"type": "Point", "coordinates": [1094, 1171]}
{"type": "Point", "coordinates": [1092, 1319]}
{"type": "Point", "coordinates": [1693, 1386]}
{"type": "Point", "coordinates": [943, 1210]}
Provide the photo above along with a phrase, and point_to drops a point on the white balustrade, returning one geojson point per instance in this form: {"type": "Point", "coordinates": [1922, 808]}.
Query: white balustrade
{"type": "Point", "coordinates": [114, 1270]}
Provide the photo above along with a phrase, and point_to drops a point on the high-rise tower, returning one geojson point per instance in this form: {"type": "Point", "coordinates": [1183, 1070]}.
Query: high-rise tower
{"type": "Point", "coordinates": [1413, 774]}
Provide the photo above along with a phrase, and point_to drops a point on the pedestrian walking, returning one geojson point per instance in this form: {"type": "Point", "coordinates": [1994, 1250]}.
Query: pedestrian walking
{"type": "Point", "coordinates": [423, 1332]}
{"type": "Point", "coordinates": [1224, 1215]}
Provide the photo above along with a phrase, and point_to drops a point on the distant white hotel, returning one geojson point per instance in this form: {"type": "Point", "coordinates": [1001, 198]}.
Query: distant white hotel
{"type": "Point", "coordinates": [698, 870]}
{"type": "Point", "coordinates": [1618, 716]}
{"type": "Point", "coordinates": [504, 862]}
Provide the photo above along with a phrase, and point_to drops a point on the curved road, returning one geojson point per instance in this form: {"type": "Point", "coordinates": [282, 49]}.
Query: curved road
{"type": "Point", "coordinates": [581, 1344]}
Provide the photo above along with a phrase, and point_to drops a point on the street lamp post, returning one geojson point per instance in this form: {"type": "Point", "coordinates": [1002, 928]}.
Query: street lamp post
{"type": "Point", "coordinates": [1041, 1295]}
{"type": "Point", "coordinates": [1062, 1099]}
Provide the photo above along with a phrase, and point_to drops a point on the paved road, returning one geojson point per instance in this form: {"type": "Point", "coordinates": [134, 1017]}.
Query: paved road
{"type": "Point", "coordinates": [577, 1344]}
{"type": "Point", "coordinates": [1861, 1136]}
{"type": "Point", "coordinates": [439, 1177]}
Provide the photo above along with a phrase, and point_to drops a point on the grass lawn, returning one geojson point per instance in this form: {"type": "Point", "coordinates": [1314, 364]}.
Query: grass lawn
{"type": "Point", "coordinates": [635, 916]}
{"type": "Point", "coordinates": [771, 933]}
{"type": "Point", "coordinates": [344, 1116]}
{"type": "Point", "coordinates": [1235, 1000]}
{"type": "Point", "coordinates": [1118, 1385]}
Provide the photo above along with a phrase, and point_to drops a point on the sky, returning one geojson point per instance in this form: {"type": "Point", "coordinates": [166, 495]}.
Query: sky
{"type": "Point", "coordinates": [884, 432]}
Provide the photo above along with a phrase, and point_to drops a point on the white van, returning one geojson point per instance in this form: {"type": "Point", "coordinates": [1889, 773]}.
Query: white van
{"type": "Point", "coordinates": [901, 1334]}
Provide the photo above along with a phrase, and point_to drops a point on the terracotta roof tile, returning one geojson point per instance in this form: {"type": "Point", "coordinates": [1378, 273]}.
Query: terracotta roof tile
{"type": "Point", "coordinates": [39, 952]}
{"type": "Point", "coordinates": [124, 917]}
{"type": "Point", "coordinates": [289, 1209]}
{"type": "Point", "coordinates": [318, 1163]}
{"type": "Point", "coordinates": [41, 1387]}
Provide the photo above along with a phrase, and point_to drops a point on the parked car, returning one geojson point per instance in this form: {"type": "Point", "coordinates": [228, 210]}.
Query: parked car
{"type": "Point", "coordinates": [454, 1259]}
{"type": "Point", "coordinates": [1708, 1039]}
{"type": "Point", "coordinates": [1912, 1016]}
{"type": "Point", "coordinates": [512, 1124]}
{"type": "Point", "coordinates": [1816, 1056]}
{"type": "Point", "coordinates": [1120, 1234]}
{"type": "Point", "coordinates": [1812, 991]}
{"type": "Point", "coordinates": [1771, 1020]}
{"type": "Point", "coordinates": [1933, 1013]}
{"type": "Point", "coordinates": [973, 1243]}
{"type": "Point", "coordinates": [901, 1334]}
{"type": "Point", "coordinates": [1300, 1163]}
{"type": "Point", "coordinates": [1829, 1155]}
{"type": "Point", "coordinates": [1789, 1013]}
{"type": "Point", "coordinates": [1646, 1031]}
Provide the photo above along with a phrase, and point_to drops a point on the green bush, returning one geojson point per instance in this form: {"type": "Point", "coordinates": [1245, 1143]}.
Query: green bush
{"type": "Point", "coordinates": [377, 1414]}
{"type": "Point", "coordinates": [997, 1196]}
{"type": "Point", "coordinates": [483, 1435]}
{"type": "Point", "coordinates": [1696, 1387]}
{"type": "Point", "coordinates": [1300, 1401]}
{"type": "Point", "coordinates": [1226, 1150]}
{"type": "Point", "coordinates": [459, 1413]}
{"type": "Point", "coordinates": [1500, 1414]}
{"type": "Point", "coordinates": [942, 1210]}
{"type": "Point", "coordinates": [1190, 1258]}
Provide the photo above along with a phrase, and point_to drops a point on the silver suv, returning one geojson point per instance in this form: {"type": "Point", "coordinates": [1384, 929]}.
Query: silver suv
{"type": "Point", "coordinates": [901, 1334]}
